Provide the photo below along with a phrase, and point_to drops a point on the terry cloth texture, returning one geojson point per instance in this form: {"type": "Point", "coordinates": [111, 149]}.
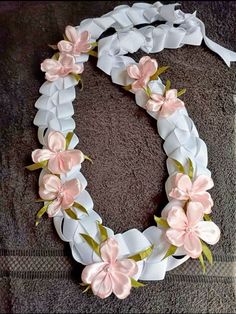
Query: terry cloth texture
{"type": "Point", "coordinates": [126, 181]}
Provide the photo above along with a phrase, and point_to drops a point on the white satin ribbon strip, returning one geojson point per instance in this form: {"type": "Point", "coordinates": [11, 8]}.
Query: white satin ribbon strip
{"type": "Point", "coordinates": [55, 111]}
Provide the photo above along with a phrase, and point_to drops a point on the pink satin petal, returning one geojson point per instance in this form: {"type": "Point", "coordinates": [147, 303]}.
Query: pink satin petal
{"type": "Point", "coordinates": [208, 231]}
{"type": "Point", "coordinates": [171, 94]}
{"type": "Point", "coordinates": [157, 98]}
{"type": "Point", "coordinates": [205, 199]}
{"type": "Point", "coordinates": [126, 266]}
{"type": "Point", "coordinates": [72, 187]}
{"type": "Point", "coordinates": [143, 60]}
{"type": "Point", "coordinates": [184, 183]}
{"type": "Point", "coordinates": [153, 106]}
{"type": "Point", "coordinates": [67, 201]}
{"type": "Point", "coordinates": [54, 208]}
{"type": "Point", "coordinates": [90, 271]}
{"type": "Point", "coordinates": [192, 245]}
{"type": "Point", "coordinates": [71, 33]}
{"type": "Point", "coordinates": [202, 183]}
{"type": "Point", "coordinates": [50, 65]}
{"type": "Point", "coordinates": [67, 61]}
{"type": "Point", "coordinates": [56, 141]}
{"type": "Point", "coordinates": [57, 166]}
{"type": "Point", "coordinates": [109, 250]}
{"type": "Point", "coordinates": [84, 37]}
{"type": "Point", "coordinates": [102, 285]}
{"type": "Point", "coordinates": [78, 68]}
{"type": "Point", "coordinates": [148, 68]}
{"type": "Point", "coordinates": [121, 284]}
{"type": "Point", "coordinates": [178, 194]}
{"type": "Point", "coordinates": [177, 218]}
{"type": "Point", "coordinates": [49, 187]}
{"type": "Point", "coordinates": [73, 157]}
{"type": "Point", "coordinates": [194, 213]}
{"type": "Point", "coordinates": [170, 107]}
{"type": "Point", "coordinates": [39, 155]}
{"type": "Point", "coordinates": [133, 71]}
{"type": "Point", "coordinates": [137, 85]}
{"type": "Point", "coordinates": [175, 237]}
{"type": "Point", "coordinates": [65, 46]}
{"type": "Point", "coordinates": [51, 77]}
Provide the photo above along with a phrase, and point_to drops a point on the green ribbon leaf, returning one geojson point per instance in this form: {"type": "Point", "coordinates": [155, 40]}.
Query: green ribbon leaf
{"type": "Point", "coordinates": [71, 214]}
{"type": "Point", "coordinates": [207, 252]}
{"type": "Point", "coordinates": [80, 207]}
{"type": "Point", "coordinates": [76, 76]}
{"type": "Point", "coordinates": [181, 92]}
{"type": "Point", "coordinates": [56, 56]}
{"type": "Point", "coordinates": [162, 222]}
{"type": "Point", "coordinates": [190, 168]}
{"type": "Point", "coordinates": [92, 53]}
{"type": "Point", "coordinates": [103, 232]}
{"type": "Point", "coordinates": [94, 44]}
{"type": "Point", "coordinates": [37, 165]}
{"type": "Point", "coordinates": [91, 242]}
{"type": "Point", "coordinates": [172, 249]}
{"type": "Point", "coordinates": [178, 165]}
{"type": "Point", "coordinates": [158, 72]}
{"type": "Point", "coordinates": [87, 288]}
{"type": "Point", "coordinates": [68, 139]}
{"type": "Point", "coordinates": [207, 217]}
{"type": "Point", "coordinates": [168, 85]}
{"type": "Point", "coordinates": [127, 87]}
{"type": "Point", "coordinates": [148, 91]}
{"type": "Point", "coordinates": [136, 284]}
{"type": "Point", "coordinates": [54, 47]}
{"type": "Point", "coordinates": [142, 255]}
{"type": "Point", "coordinates": [88, 158]}
{"type": "Point", "coordinates": [201, 260]}
{"type": "Point", "coordinates": [41, 212]}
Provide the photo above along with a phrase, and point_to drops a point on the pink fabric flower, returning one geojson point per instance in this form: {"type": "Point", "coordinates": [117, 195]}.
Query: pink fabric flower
{"type": "Point", "coordinates": [142, 72]}
{"type": "Point", "coordinates": [187, 229]}
{"type": "Point", "coordinates": [76, 43]}
{"type": "Point", "coordinates": [165, 106]}
{"type": "Point", "coordinates": [59, 160]}
{"type": "Point", "coordinates": [61, 67]}
{"type": "Point", "coordinates": [62, 195]}
{"type": "Point", "coordinates": [110, 275]}
{"type": "Point", "coordinates": [185, 189]}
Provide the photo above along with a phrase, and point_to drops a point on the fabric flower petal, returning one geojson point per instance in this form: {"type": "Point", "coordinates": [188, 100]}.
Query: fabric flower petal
{"type": "Point", "coordinates": [49, 187]}
{"type": "Point", "coordinates": [171, 94]}
{"type": "Point", "coordinates": [90, 271]}
{"type": "Point", "coordinates": [65, 46]}
{"type": "Point", "coordinates": [102, 285]}
{"type": "Point", "coordinates": [192, 245]}
{"type": "Point", "coordinates": [208, 231]}
{"type": "Point", "coordinates": [39, 155]}
{"type": "Point", "coordinates": [133, 71]}
{"type": "Point", "coordinates": [109, 250]}
{"type": "Point", "coordinates": [205, 199]}
{"type": "Point", "coordinates": [71, 33]}
{"type": "Point", "coordinates": [184, 183]}
{"type": "Point", "coordinates": [121, 284]}
{"type": "Point", "coordinates": [153, 105]}
{"type": "Point", "coordinates": [202, 183]}
{"type": "Point", "coordinates": [56, 165]}
{"type": "Point", "coordinates": [126, 266]}
{"type": "Point", "coordinates": [177, 218]}
{"type": "Point", "coordinates": [175, 237]}
{"type": "Point", "coordinates": [194, 213]}
{"type": "Point", "coordinates": [56, 141]}
{"type": "Point", "coordinates": [54, 208]}
{"type": "Point", "coordinates": [72, 187]}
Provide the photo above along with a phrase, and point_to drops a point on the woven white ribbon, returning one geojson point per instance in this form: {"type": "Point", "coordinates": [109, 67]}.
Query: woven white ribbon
{"type": "Point", "coordinates": [55, 111]}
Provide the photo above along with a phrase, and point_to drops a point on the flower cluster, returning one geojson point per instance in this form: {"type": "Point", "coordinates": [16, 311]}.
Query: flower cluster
{"type": "Point", "coordinates": [142, 73]}
{"type": "Point", "coordinates": [73, 46]}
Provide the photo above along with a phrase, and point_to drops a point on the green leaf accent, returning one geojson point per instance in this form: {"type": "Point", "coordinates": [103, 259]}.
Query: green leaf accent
{"type": "Point", "coordinates": [142, 255]}
{"type": "Point", "coordinates": [202, 263]}
{"type": "Point", "coordinates": [80, 207]}
{"type": "Point", "coordinates": [92, 53]}
{"type": "Point", "coordinates": [94, 44]}
{"type": "Point", "coordinates": [207, 252]}
{"type": "Point", "coordinates": [41, 212]}
{"type": "Point", "coordinates": [54, 47]}
{"type": "Point", "coordinates": [181, 92]}
{"type": "Point", "coordinates": [136, 284]}
{"type": "Point", "coordinates": [168, 85]}
{"type": "Point", "coordinates": [159, 71]}
{"type": "Point", "coordinates": [87, 288]}
{"type": "Point", "coordinates": [37, 165]}
{"type": "Point", "coordinates": [65, 38]}
{"type": "Point", "coordinates": [179, 166]}
{"type": "Point", "coordinates": [56, 56]}
{"type": "Point", "coordinates": [127, 87]}
{"type": "Point", "coordinates": [103, 232]}
{"type": "Point", "coordinates": [68, 139]}
{"type": "Point", "coordinates": [207, 217]}
{"type": "Point", "coordinates": [148, 91]}
{"type": "Point", "coordinates": [91, 242]}
{"type": "Point", "coordinates": [71, 214]}
{"type": "Point", "coordinates": [172, 249]}
{"type": "Point", "coordinates": [76, 76]}
{"type": "Point", "coordinates": [162, 222]}
{"type": "Point", "coordinates": [39, 200]}
{"type": "Point", "coordinates": [88, 158]}
{"type": "Point", "coordinates": [190, 168]}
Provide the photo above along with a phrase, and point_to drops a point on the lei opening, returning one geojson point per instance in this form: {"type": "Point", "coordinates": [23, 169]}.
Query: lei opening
{"type": "Point", "coordinates": [114, 263]}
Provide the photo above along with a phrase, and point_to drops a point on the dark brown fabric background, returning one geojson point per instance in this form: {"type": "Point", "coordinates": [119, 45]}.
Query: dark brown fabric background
{"type": "Point", "coordinates": [126, 181]}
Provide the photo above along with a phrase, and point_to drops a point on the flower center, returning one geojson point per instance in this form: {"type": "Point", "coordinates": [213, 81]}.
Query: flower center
{"type": "Point", "coordinates": [107, 268]}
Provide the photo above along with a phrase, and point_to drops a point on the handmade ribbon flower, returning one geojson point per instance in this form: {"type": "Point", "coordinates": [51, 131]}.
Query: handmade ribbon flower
{"type": "Point", "coordinates": [110, 275]}
{"type": "Point", "coordinates": [187, 229]}
{"type": "Point", "coordinates": [142, 72]}
{"type": "Point", "coordinates": [61, 195]}
{"type": "Point", "coordinates": [61, 67]}
{"type": "Point", "coordinates": [59, 159]}
{"type": "Point", "coordinates": [164, 105]}
{"type": "Point", "coordinates": [185, 189]}
{"type": "Point", "coordinates": [76, 43]}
